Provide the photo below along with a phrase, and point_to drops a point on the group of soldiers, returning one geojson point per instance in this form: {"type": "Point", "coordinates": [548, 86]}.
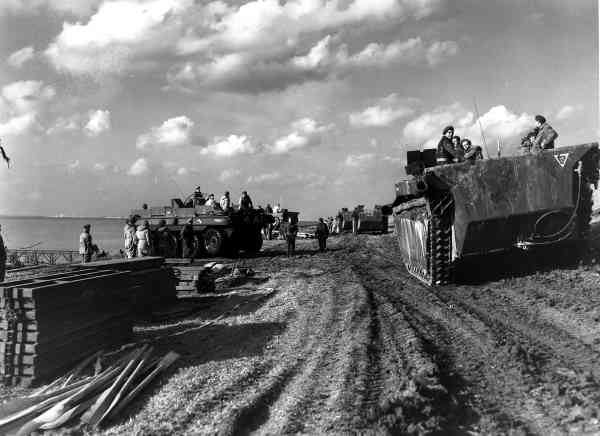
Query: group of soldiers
{"type": "Point", "coordinates": [451, 148]}
{"type": "Point", "coordinates": [225, 203]}
{"type": "Point", "coordinates": [289, 230]}
{"type": "Point", "coordinates": [140, 241]}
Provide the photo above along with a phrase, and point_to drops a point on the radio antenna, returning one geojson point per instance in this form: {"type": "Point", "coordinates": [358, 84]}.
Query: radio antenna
{"type": "Point", "coordinates": [481, 128]}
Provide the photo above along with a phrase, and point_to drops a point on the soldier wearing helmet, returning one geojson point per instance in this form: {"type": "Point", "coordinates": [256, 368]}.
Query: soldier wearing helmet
{"type": "Point", "coordinates": [445, 150]}
{"type": "Point", "coordinates": [544, 140]}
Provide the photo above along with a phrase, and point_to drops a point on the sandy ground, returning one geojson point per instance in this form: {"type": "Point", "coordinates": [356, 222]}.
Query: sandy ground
{"type": "Point", "coordinates": [347, 342]}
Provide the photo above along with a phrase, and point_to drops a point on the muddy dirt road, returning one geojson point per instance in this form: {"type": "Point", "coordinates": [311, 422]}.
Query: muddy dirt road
{"type": "Point", "coordinates": [346, 342]}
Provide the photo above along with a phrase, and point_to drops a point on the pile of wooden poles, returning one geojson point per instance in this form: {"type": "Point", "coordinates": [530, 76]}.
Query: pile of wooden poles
{"type": "Point", "coordinates": [93, 400]}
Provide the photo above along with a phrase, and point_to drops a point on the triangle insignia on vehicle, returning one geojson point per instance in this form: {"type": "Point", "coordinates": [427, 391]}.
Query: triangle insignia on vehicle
{"type": "Point", "coordinates": [561, 158]}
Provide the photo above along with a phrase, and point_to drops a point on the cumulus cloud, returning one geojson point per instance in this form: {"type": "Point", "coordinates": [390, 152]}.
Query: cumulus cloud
{"type": "Point", "coordinates": [248, 72]}
{"type": "Point", "coordinates": [20, 104]}
{"type": "Point", "coordinates": [78, 8]}
{"type": "Point", "coordinates": [306, 132]}
{"type": "Point", "coordinates": [140, 167]}
{"type": "Point", "coordinates": [498, 123]}
{"type": "Point", "coordinates": [265, 23]}
{"type": "Point", "coordinates": [174, 132]}
{"type": "Point", "coordinates": [426, 128]}
{"type": "Point", "coordinates": [92, 123]}
{"type": "Point", "coordinates": [122, 35]}
{"type": "Point", "coordinates": [19, 57]}
{"type": "Point", "coordinates": [383, 113]}
{"type": "Point", "coordinates": [263, 178]}
{"type": "Point", "coordinates": [568, 111]}
{"type": "Point", "coordinates": [230, 146]}
{"type": "Point", "coordinates": [359, 160]}
{"type": "Point", "coordinates": [258, 45]}
{"type": "Point", "coordinates": [99, 121]}
{"type": "Point", "coordinates": [69, 123]}
{"type": "Point", "coordinates": [229, 174]}
{"type": "Point", "coordinates": [439, 51]}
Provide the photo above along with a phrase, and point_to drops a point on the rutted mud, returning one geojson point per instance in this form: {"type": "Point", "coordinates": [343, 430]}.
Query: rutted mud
{"type": "Point", "coordinates": [348, 342]}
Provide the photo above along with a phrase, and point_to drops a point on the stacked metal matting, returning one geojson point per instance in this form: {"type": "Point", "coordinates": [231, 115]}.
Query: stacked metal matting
{"type": "Point", "coordinates": [49, 323]}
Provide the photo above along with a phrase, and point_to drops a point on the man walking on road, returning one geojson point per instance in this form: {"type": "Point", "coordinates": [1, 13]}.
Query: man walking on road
{"type": "Point", "coordinates": [85, 244]}
{"type": "Point", "coordinates": [321, 234]}
{"type": "Point", "coordinates": [2, 258]}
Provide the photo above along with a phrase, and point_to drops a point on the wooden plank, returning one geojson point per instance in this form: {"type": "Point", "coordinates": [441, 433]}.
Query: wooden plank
{"type": "Point", "coordinates": [104, 401]}
{"type": "Point", "coordinates": [135, 264]}
{"type": "Point", "coordinates": [163, 364]}
{"type": "Point", "coordinates": [143, 361]}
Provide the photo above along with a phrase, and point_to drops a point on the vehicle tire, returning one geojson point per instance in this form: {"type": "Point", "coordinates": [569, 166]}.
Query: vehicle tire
{"type": "Point", "coordinates": [213, 242]}
{"type": "Point", "coordinates": [255, 243]}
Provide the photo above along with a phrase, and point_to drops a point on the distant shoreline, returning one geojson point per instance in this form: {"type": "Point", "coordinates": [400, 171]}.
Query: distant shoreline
{"type": "Point", "coordinates": [64, 217]}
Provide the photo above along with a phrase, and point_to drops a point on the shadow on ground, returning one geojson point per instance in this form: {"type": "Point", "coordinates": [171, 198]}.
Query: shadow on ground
{"type": "Point", "coordinates": [517, 263]}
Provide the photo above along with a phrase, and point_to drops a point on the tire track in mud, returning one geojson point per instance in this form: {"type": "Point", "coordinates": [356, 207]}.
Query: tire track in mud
{"type": "Point", "coordinates": [465, 345]}
{"type": "Point", "coordinates": [308, 391]}
{"type": "Point", "coordinates": [251, 409]}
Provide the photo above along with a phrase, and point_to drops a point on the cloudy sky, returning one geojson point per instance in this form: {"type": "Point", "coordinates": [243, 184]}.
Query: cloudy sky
{"type": "Point", "coordinates": [105, 104]}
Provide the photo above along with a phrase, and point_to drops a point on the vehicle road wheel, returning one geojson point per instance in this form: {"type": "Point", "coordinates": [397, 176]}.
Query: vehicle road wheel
{"type": "Point", "coordinates": [255, 243]}
{"type": "Point", "coordinates": [213, 242]}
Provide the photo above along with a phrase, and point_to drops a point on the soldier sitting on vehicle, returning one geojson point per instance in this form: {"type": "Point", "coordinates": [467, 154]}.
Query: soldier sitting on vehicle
{"type": "Point", "coordinates": [445, 150]}
{"type": "Point", "coordinates": [245, 201]}
{"type": "Point", "coordinates": [527, 141]}
{"type": "Point", "coordinates": [456, 144]}
{"type": "Point", "coordinates": [199, 199]}
{"type": "Point", "coordinates": [545, 137]}
{"type": "Point", "coordinates": [211, 201]}
{"type": "Point", "coordinates": [225, 202]}
{"type": "Point", "coordinates": [470, 153]}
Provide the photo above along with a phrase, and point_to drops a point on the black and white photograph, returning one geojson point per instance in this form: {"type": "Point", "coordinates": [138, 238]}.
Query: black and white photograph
{"type": "Point", "coordinates": [315, 217]}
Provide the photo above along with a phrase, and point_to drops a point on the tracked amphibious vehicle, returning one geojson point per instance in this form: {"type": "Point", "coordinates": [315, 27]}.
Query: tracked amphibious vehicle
{"type": "Point", "coordinates": [445, 213]}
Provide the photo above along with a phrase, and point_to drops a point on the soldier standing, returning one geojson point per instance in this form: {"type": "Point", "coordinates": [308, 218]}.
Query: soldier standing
{"type": "Point", "coordinates": [321, 233]}
{"type": "Point", "coordinates": [144, 246]}
{"type": "Point", "coordinates": [355, 221]}
{"type": "Point", "coordinates": [187, 241]}
{"type": "Point", "coordinates": [165, 245]}
{"type": "Point", "coordinates": [85, 244]}
{"type": "Point", "coordinates": [2, 258]}
{"type": "Point", "coordinates": [130, 239]}
{"type": "Point", "coordinates": [290, 230]}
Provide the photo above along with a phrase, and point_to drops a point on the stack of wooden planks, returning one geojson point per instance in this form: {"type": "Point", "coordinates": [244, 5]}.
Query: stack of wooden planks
{"type": "Point", "coordinates": [47, 323]}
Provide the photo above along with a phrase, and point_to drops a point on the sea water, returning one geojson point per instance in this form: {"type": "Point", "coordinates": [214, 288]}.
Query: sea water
{"type": "Point", "coordinates": [61, 233]}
